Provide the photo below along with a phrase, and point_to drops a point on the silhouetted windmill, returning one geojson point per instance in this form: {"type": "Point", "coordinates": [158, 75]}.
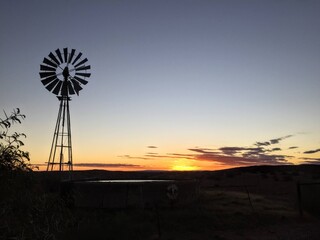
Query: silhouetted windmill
{"type": "Point", "coordinates": [63, 74]}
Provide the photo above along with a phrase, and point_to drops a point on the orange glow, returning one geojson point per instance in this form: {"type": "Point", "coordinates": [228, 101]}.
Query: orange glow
{"type": "Point", "coordinates": [42, 167]}
{"type": "Point", "coordinates": [184, 168]}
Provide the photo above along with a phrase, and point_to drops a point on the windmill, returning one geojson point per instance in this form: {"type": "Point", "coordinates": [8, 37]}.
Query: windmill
{"type": "Point", "coordinates": [63, 73]}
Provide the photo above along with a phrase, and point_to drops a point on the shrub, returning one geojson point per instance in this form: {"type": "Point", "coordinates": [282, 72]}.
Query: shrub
{"type": "Point", "coordinates": [11, 155]}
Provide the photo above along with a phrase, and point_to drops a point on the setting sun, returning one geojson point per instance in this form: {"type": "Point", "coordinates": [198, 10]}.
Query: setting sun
{"type": "Point", "coordinates": [184, 168]}
{"type": "Point", "coordinates": [153, 101]}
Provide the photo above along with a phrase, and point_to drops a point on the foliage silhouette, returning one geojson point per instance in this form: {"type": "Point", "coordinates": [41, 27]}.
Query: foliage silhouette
{"type": "Point", "coordinates": [11, 156]}
{"type": "Point", "coordinates": [28, 211]}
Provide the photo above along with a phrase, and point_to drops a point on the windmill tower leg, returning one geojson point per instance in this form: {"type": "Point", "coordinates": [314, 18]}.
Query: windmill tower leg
{"type": "Point", "coordinates": [69, 162]}
{"type": "Point", "coordinates": [55, 66]}
{"type": "Point", "coordinates": [61, 146]}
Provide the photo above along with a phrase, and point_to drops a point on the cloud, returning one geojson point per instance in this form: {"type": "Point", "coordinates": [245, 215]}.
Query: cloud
{"type": "Point", "coordinates": [149, 156]}
{"type": "Point", "coordinates": [260, 153]}
{"type": "Point", "coordinates": [294, 147]}
{"type": "Point", "coordinates": [262, 143]}
{"type": "Point", "coordinates": [171, 156]}
{"type": "Point", "coordinates": [101, 165]}
{"type": "Point", "coordinates": [181, 155]}
{"type": "Point", "coordinates": [235, 150]}
{"type": "Point", "coordinates": [245, 157]}
{"type": "Point", "coordinates": [312, 151]}
{"type": "Point", "coordinates": [105, 165]}
{"type": "Point", "coordinates": [231, 150]}
{"type": "Point", "coordinates": [178, 155]}
{"type": "Point", "coordinates": [203, 150]}
{"type": "Point", "coordinates": [277, 140]}
{"type": "Point", "coordinates": [272, 141]}
{"type": "Point", "coordinates": [131, 157]}
{"type": "Point", "coordinates": [245, 161]}
{"type": "Point", "coordinates": [275, 149]}
{"type": "Point", "coordinates": [311, 160]}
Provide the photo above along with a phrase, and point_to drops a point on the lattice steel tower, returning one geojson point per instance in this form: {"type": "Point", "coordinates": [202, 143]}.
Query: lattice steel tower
{"type": "Point", "coordinates": [63, 74]}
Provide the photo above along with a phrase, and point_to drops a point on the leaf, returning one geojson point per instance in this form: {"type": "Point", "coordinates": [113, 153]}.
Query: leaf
{"type": "Point", "coordinates": [11, 156]}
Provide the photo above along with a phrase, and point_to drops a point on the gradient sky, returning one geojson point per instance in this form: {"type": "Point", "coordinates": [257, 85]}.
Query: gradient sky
{"type": "Point", "coordinates": [175, 84]}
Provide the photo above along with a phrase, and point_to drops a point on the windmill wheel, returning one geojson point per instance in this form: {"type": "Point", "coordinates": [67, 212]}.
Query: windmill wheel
{"type": "Point", "coordinates": [64, 73]}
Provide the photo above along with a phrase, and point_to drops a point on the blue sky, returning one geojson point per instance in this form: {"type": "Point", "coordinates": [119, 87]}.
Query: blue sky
{"type": "Point", "coordinates": [177, 75]}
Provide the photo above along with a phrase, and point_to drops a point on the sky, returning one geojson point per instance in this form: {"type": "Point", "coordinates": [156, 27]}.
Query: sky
{"type": "Point", "coordinates": [174, 85]}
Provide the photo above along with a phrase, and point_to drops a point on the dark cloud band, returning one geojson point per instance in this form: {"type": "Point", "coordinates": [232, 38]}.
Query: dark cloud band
{"type": "Point", "coordinates": [312, 151]}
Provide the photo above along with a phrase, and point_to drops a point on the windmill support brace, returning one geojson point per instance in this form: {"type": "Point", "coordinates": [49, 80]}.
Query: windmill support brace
{"type": "Point", "coordinates": [61, 147]}
{"type": "Point", "coordinates": [63, 73]}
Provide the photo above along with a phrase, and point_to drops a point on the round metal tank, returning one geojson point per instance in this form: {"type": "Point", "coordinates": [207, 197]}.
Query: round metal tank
{"type": "Point", "coordinates": [130, 193]}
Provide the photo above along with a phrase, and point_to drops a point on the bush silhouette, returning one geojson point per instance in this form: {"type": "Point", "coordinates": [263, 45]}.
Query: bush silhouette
{"type": "Point", "coordinates": [11, 155]}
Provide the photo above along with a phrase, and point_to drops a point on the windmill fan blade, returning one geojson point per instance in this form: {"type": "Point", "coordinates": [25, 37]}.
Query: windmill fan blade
{"type": "Point", "coordinates": [46, 68]}
{"type": "Point", "coordinates": [48, 62]}
{"type": "Point", "coordinates": [83, 68]}
{"type": "Point", "coordinates": [71, 55]}
{"type": "Point", "coordinates": [57, 64]}
{"type": "Point", "coordinates": [70, 88]}
{"type": "Point", "coordinates": [56, 90]}
{"type": "Point", "coordinates": [46, 74]}
{"type": "Point", "coordinates": [48, 80]}
{"type": "Point", "coordinates": [82, 62]}
{"type": "Point", "coordinates": [51, 85]}
{"type": "Point", "coordinates": [76, 86]}
{"type": "Point", "coordinates": [59, 55]}
{"type": "Point", "coordinates": [84, 82]}
{"type": "Point", "coordinates": [53, 57]}
{"type": "Point", "coordinates": [65, 53]}
{"type": "Point", "coordinates": [84, 74]}
{"type": "Point", "coordinates": [77, 58]}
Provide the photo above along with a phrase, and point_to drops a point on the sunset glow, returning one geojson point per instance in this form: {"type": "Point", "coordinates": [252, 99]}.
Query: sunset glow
{"type": "Point", "coordinates": [184, 168]}
{"type": "Point", "coordinates": [174, 85]}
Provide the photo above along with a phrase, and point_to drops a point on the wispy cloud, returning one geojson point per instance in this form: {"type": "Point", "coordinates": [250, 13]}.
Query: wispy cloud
{"type": "Point", "coordinates": [100, 165]}
{"type": "Point", "coordinates": [311, 160]}
{"type": "Point", "coordinates": [259, 153]}
{"type": "Point", "coordinates": [150, 156]}
{"type": "Point", "coordinates": [293, 147]}
{"type": "Point", "coordinates": [106, 165]}
{"type": "Point", "coordinates": [272, 141]}
{"type": "Point", "coordinates": [312, 151]}
{"type": "Point", "coordinates": [244, 157]}
{"type": "Point", "coordinates": [152, 146]}
{"type": "Point", "coordinates": [275, 149]}
{"type": "Point", "coordinates": [133, 157]}
{"type": "Point", "coordinates": [171, 156]}
{"type": "Point", "coordinates": [235, 150]}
